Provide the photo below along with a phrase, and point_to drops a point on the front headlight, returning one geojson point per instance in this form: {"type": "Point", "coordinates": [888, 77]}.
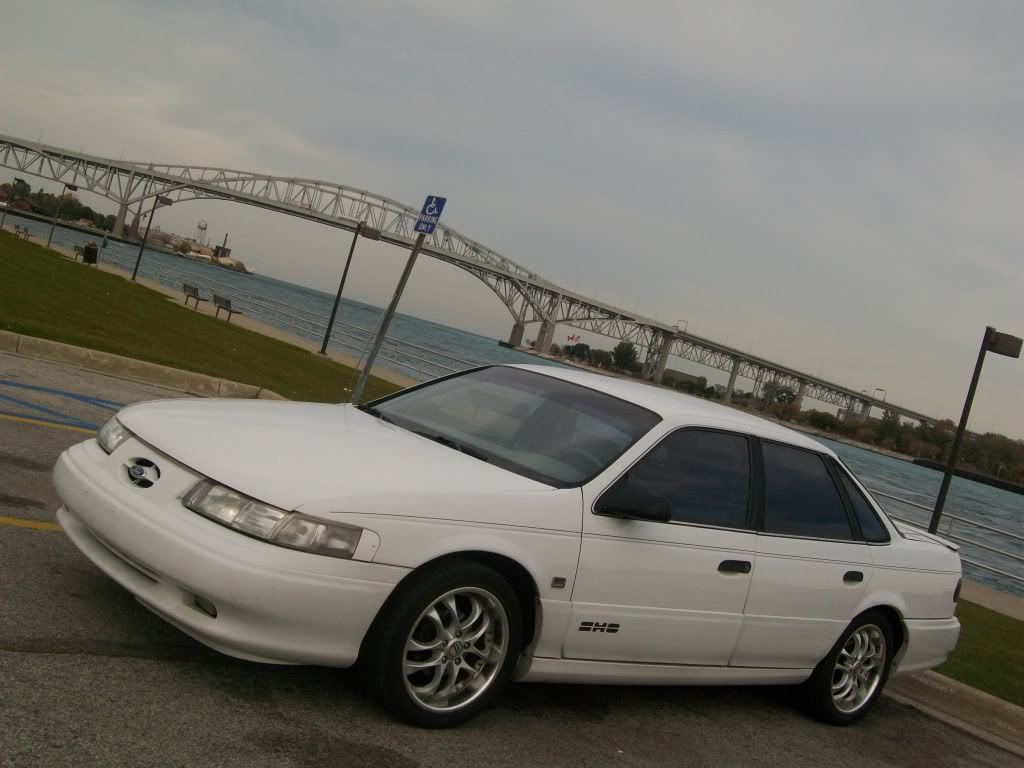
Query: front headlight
{"type": "Point", "coordinates": [286, 529]}
{"type": "Point", "coordinates": [112, 435]}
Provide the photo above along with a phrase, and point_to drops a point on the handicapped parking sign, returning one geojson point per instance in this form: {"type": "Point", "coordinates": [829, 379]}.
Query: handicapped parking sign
{"type": "Point", "coordinates": [430, 214]}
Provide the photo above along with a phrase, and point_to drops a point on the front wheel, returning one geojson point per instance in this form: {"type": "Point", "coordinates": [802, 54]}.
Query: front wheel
{"type": "Point", "coordinates": [847, 682]}
{"type": "Point", "coordinates": [445, 644]}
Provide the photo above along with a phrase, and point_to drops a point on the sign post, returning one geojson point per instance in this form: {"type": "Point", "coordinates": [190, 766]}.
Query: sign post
{"type": "Point", "coordinates": [999, 344]}
{"type": "Point", "coordinates": [430, 214]}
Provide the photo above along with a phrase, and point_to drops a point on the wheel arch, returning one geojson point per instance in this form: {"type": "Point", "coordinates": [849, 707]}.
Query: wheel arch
{"type": "Point", "coordinates": [892, 606]}
{"type": "Point", "coordinates": [514, 572]}
{"type": "Point", "coordinates": [899, 629]}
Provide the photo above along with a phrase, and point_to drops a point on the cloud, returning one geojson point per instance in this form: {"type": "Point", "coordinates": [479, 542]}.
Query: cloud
{"type": "Point", "coordinates": [835, 185]}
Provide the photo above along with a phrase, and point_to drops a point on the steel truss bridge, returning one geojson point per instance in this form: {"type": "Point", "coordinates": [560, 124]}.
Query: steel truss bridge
{"type": "Point", "coordinates": [528, 297]}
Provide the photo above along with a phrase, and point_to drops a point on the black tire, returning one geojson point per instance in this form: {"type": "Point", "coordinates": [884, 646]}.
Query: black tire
{"type": "Point", "coordinates": [817, 692]}
{"type": "Point", "coordinates": [383, 656]}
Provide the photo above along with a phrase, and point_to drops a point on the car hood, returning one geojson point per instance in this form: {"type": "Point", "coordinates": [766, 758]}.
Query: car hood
{"type": "Point", "coordinates": [290, 454]}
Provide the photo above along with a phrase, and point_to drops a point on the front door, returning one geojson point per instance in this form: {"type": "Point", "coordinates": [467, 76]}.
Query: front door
{"type": "Point", "coordinates": [668, 592]}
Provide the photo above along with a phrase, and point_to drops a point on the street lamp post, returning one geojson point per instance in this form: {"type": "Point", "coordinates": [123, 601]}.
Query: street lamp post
{"type": "Point", "coordinates": [686, 324]}
{"type": "Point", "coordinates": [879, 389]}
{"type": "Point", "coordinates": [997, 343]}
{"type": "Point", "coordinates": [157, 202]}
{"type": "Point", "coordinates": [370, 234]}
{"type": "Point", "coordinates": [60, 204]}
{"type": "Point", "coordinates": [10, 201]}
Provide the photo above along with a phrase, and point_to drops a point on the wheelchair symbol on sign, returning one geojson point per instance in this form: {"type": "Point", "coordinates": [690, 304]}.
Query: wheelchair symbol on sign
{"type": "Point", "coordinates": [431, 209]}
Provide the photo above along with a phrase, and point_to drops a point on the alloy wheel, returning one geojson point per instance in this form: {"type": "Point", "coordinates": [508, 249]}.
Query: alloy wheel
{"type": "Point", "coordinates": [455, 649]}
{"type": "Point", "coordinates": [858, 669]}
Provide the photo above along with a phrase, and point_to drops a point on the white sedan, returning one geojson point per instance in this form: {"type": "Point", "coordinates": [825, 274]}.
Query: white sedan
{"type": "Point", "coordinates": [526, 522]}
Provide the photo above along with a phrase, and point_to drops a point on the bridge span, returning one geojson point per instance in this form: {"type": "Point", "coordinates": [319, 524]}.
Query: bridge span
{"type": "Point", "coordinates": [528, 297]}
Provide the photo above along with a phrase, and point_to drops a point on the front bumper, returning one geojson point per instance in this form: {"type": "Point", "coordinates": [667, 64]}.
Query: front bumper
{"type": "Point", "coordinates": [272, 604]}
{"type": "Point", "coordinates": [928, 644]}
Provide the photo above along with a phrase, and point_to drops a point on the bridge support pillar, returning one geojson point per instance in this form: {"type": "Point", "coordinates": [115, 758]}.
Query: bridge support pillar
{"type": "Point", "coordinates": [516, 337]}
{"type": "Point", "coordinates": [800, 392]}
{"type": "Point", "coordinates": [856, 411]}
{"type": "Point", "coordinates": [122, 212]}
{"type": "Point", "coordinates": [865, 410]}
{"type": "Point", "coordinates": [662, 362]}
{"type": "Point", "coordinates": [732, 380]}
{"type": "Point", "coordinates": [545, 336]}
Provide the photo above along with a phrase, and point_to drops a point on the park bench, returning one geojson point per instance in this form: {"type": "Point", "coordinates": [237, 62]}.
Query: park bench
{"type": "Point", "coordinates": [22, 232]}
{"type": "Point", "coordinates": [191, 292]}
{"type": "Point", "coordinates": [222, 303]}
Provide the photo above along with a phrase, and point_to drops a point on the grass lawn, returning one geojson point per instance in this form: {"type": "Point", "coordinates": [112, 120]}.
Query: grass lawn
{"type": "Point", "coordinates": [990, 654]}
{"type": "Point", "coordinates": [43, 294]}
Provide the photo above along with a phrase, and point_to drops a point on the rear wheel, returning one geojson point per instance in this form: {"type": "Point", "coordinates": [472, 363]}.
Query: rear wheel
{"type": "Point", "coordinates": [445, 644]}
{"type": "Point", "coordinates": [847, 682]}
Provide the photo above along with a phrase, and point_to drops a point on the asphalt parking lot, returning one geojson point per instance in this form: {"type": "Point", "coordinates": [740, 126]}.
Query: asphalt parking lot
{"type": "Point", "coordinates": [90, 678]}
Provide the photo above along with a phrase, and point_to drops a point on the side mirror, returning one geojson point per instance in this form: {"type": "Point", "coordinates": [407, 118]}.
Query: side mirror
{"type": "Point", "coordinates": [634, 504]}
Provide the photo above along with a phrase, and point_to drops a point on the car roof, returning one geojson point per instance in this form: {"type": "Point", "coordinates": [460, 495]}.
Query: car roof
{"type": "Point", "coordinates": [680, 409]}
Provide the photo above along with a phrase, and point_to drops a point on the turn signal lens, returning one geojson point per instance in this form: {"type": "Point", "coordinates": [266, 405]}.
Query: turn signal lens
{"type": "Point", "coordinates": [286, 529]}
{"type": "Point", "coordinates": [112, 434]}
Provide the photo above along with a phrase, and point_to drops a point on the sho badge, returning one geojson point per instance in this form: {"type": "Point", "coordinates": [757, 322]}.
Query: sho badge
{"type": "Point", "coordinates": [599, 626]}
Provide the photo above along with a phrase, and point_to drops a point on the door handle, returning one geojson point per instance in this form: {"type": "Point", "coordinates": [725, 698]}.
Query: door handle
{"type": "Point", "coordinates": [853, 577]}
{"type": "Point", "coordinates": [734, 566]}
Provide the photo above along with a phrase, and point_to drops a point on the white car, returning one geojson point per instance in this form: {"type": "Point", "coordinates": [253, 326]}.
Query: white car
{"type": "Point", "coordinates": [527, 522]}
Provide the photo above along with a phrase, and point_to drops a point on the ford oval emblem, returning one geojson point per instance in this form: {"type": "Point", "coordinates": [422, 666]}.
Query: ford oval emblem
{"type": "Point", "coordinates": [142, 473]}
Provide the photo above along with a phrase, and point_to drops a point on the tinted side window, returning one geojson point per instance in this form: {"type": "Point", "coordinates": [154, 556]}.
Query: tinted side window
{"type": "Point", "coordinates": [870, 525]}
{"type": "Point", "coordinates": [800, 497]}
{"type": "Point", "coordinates": [704, 476]}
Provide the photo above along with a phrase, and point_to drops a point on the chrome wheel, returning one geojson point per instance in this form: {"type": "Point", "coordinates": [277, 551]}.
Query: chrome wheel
{"type": "Point", "coordinates": [858, 670]}
{"type": "Point", "coordinates": [456, 649]}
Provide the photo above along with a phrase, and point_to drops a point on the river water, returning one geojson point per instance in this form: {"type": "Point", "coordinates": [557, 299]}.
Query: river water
{"type": "Point", "coordinates": [253, 293]}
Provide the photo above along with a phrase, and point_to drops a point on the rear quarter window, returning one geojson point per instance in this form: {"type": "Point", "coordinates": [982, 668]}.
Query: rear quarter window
{"type": "Point", "coordinates": [871, 527]}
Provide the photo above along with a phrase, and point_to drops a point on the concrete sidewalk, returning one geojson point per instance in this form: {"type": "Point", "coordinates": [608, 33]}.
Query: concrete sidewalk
{"type": "Point", "coordinates": [1000, 602]}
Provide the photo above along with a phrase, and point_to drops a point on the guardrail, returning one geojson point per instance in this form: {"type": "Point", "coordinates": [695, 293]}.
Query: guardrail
{"type": "Point", "coordinates": [422, 362]}
{"type": "Point", "coordinates": [971, 542]}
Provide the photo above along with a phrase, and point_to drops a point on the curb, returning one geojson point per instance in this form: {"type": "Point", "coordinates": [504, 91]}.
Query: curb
{"type": "Point", "coordinates": [982, 715]}
{"type": "Point", "coordinates": [128, 368]}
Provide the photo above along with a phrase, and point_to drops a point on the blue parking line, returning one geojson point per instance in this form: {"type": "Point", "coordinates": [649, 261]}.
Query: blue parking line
{"type": "Point", "coordinates": [63, 418]}
{"type": "Point", "coordinates": [109, 405]}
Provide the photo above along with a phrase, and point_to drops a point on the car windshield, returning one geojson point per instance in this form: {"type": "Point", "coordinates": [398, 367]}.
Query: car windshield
{"type": "Point", "coordinates": [535, 425]}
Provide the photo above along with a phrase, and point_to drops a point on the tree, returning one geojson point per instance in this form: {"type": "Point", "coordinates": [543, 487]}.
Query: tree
{"type": "Point", "coordinates": [625, 355]}
{"type": "Point", "coordinates": [556, 350]}
{"type": "Point", "coordinates": [601, 358]}
{"type": "Point", "coordinates": [821, 420]}
{"type": "Point", "coordinates": [579, 351]}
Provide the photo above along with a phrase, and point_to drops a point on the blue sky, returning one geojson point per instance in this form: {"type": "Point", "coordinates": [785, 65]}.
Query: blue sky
{"type": "Point", "coordinates": [837, 186]}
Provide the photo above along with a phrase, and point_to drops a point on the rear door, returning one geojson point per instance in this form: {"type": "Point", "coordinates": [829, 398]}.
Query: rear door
{"type": "Point", "coordinates": [812, 567]}
{"type": "Point", "coordinates": [669, 592]}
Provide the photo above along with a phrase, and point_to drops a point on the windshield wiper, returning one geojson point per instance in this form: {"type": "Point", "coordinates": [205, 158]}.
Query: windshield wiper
{"type": "Point", "coordinates": [375, 413]}
{"type": "Point", "coordinates": [447, 441]}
